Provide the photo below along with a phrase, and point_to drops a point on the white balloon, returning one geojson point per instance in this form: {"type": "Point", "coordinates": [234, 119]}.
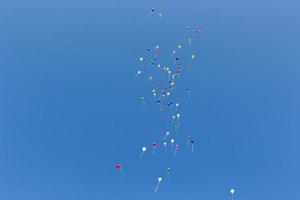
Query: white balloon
{"type": "Point", "coordinates": [232, 191]}
{"type": "Point", "coordinates": [144, 149]}
{"type": "Point", "coordinates": [159, 179]}
{"type": "Point", "coordinates": [165, 144]}
{"type": "Point", "coordinates": [172, 140]}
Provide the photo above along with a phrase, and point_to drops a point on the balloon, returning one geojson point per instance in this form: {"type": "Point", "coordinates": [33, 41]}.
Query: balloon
{"type": "Point", "coordinates": [165, 145]}
{"type": "Point", "coordinates": [154, 144]}
{"type": "Point", "coordinates": [188, 92]}
{"type": "Point", "coordinates": [144, 149]}
{"type": "Point", "coordinates": [167, 134]}
{"type": "Point", "coordinates": [176, 149]}
{"type": "Point", "coordinates": [159, 179]}
{"type": "Point", "coordinates": [232, 191]}
{"type": "Point", "coordinates": [141, 59]}
{"type": "Point", "coordinates": [188, 140]}
{"type": "Point", "coordinates": [118, 166]}
{"type": "Point", "coordinates": [172, 143]}
{"type": "Point", "coordinates": [154, 147]}
{"type": "Point", "coordinates": [139, 72]}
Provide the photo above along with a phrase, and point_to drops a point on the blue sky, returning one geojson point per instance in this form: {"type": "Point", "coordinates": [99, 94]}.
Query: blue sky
{"type": "Point", "coordinates": [69, 106]}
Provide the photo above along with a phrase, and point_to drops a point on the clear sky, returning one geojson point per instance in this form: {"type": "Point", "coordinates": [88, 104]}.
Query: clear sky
{"type": "Point", "coordinates": [69, 106]}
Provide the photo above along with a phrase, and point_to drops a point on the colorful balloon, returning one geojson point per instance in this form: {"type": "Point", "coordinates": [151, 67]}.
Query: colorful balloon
{"type": "Point", "coordinates": [159, 179]}
{"type": "Point", "coordinates": [232, 191]}
{"type": "Point", "coordinates": [144, 149]}
{"type": "Point", "coordinates": [154, 145]}
{"type": "Point", "coordinates": [118, 166]}
{"type": "Point", "coordinates": [176, 149]}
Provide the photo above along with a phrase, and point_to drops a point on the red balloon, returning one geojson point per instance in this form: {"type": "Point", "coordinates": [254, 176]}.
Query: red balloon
{"type": "Point", "coordinates": [118, 166]}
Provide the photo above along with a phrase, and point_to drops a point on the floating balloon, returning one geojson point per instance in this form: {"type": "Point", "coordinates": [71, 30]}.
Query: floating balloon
{"type": "Point", "coordinates": [169, 74]}
{"type": "Point", "coordinates": [176, 149]}
{"type": "Point", "coordinates": [173, 119]}
{"type": "Point", "coordinates": [154, 145]}
{"type": "Point", "coordinates": [176, 128]}
{"type": "Point", "coordinates": [232, 191]}
{"type": "Point", "coordinates": [165, 145]}
{"type": "Point", "coordinates": [158, 182]}
{"type": "Point", "coordinates": [141, 59]}
{"type": "Point", "coordinates": [152, 10]}
{"type": "Point", "coordinates": [188, 29]}
{"type": "Point", "coordinates": [144, 149]}
{"type": "Point", "coordinates": [168, 170]}
{"type": "Point", "coordinates": [177, 105]}
{"type": "Point", "coordinates": [167, 134]}
{"type": "Point", "coordinates": [142, 99]}
{"type": "Point", "coordinates": [173, 53]}
{"type": "Point", "coordinates": [139, 72]}
{"type": "Point", "coordinates": [119, 167]}
{"type": "Point", "coordinates": [188, 92]}
{"type": "Point", "coordinates": [178, 116]}
{"type": "Point", "coordinates": [193, 56]}
{"type": "Point", "coordinates": [172, 143]}
{"type": "Point", "coordinates": [188, 140]}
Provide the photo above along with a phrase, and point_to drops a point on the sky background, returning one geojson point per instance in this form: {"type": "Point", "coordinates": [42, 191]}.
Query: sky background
{"type": "Point", "coordinates": [69, 106]}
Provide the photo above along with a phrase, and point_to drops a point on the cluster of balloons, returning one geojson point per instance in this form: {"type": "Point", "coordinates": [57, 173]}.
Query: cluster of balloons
{"type": "Point", "coordinates": [163, 75]}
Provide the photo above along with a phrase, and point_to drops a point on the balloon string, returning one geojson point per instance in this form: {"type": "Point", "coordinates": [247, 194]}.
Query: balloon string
{"type": "Point", "coordinates": [142, 154]}
{"type": "Point", "coordinates": [156, 187]}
